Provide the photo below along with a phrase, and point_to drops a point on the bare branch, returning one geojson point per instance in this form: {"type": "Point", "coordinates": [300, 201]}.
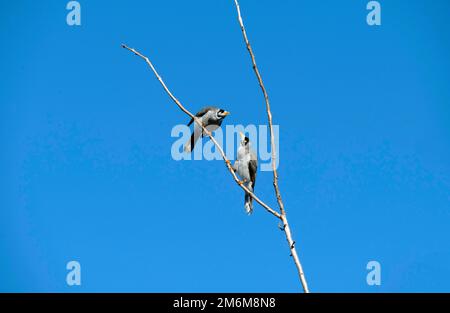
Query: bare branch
{"type": "Point", "coordinates": [207, 132]}
{"type": "Point", "coordinates": [286, 227]}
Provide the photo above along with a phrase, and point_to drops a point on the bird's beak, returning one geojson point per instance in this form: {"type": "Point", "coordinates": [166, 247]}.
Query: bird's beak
{"type": "Point", "coordinates": [226, 113]}
{"type": "Point", "coordinates": [242, 136]}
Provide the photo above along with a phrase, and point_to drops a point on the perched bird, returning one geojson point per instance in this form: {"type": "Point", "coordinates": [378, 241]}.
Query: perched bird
{"type": "Point", "coordinates": [211, 118]}
{"type": "Point", "coordinates": [246, 165]}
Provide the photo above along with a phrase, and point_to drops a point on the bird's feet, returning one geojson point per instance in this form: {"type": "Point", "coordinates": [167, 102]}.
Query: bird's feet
{"type": "Point", "coordinates": [242, 182]}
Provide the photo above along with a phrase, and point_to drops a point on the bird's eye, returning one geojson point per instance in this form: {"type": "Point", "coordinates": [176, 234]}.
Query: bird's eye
{"type": "Point", "coordinates": [220, 111]}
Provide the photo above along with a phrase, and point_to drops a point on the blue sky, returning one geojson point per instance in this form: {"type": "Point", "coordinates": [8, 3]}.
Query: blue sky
{"type": "Point", "coordinates": [87, 174]}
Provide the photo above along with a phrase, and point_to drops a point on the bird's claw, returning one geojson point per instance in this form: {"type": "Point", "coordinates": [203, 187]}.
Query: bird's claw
{"type": "Point", "coordinates": [242, 182]}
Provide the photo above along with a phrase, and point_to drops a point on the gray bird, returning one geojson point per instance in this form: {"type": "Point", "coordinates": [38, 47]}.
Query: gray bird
{"type": "Point", "coordinates": [211, 118]}
{"type": "Point", "coordinates": [246, 166]}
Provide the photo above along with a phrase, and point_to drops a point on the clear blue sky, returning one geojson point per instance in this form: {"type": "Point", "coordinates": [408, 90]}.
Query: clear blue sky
{"type": "Point", "coordinates": [87, 174]}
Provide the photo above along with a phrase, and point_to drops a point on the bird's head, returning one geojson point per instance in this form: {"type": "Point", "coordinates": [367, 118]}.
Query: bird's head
{"type": "Point", "coordinates": [244, 140]}
{"type": "Point", "coordinates": [221, 113]}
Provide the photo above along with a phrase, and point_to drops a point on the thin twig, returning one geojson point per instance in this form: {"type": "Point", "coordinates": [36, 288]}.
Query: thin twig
{"type": "Point", "coordinates": [286, 227]}
{"type": "Point", "coordinates": [207, 132]}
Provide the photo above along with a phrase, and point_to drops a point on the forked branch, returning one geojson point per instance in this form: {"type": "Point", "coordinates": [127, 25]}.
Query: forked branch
{"type": "Point", "coordinates": [282, 215]}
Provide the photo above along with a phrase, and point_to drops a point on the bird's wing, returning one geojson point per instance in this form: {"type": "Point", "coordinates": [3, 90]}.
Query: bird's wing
{"type": "Point", "coordinates": [201, 113]}
{"type": "Point", "coordinates": [235, 165]}
{"type": "Point", "coordinates": [210, 128]}
{"type": "Point", "coordinates": [252, 168]}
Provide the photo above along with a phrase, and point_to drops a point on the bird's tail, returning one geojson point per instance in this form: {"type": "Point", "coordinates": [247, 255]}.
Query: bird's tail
{"type": "Point", "coordinates": [249, 201]}
{"type": "Point", "coordinates": [189, 145]}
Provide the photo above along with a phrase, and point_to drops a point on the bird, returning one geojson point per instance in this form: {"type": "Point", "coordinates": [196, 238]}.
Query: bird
{"type": "Point", "coordinates": [211, 118]}
{"type": "Point", "coordinates": [246, 166]}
